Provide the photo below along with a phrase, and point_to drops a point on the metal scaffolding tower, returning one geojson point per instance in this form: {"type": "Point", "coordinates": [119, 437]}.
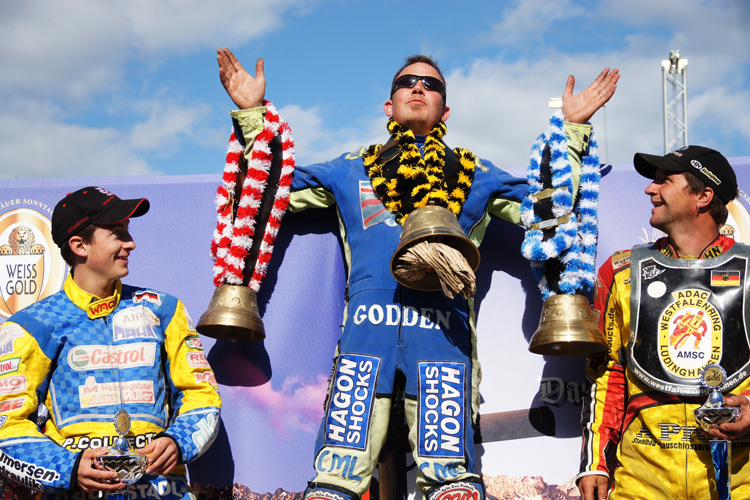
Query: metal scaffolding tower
{"type": "Point", "coordinates": [675, 101]}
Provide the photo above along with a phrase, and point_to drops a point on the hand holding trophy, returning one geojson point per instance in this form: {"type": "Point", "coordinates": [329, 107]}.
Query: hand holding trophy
{"type": "Point", "coordinates": [713, 412]}
{"type": "Point", "coordinates": [122, 458]}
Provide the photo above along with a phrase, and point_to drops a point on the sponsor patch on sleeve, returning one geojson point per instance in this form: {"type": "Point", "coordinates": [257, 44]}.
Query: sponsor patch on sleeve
{"type": "Point", "coordinates": [620, 259]}
{"type": "Point", "coordinates": [206, 377]}
{"type": "Point", "coordinates": [12, 384]}
{"type": "Point", "coordinates": [194, 342]}
{"type": "Point", "coordinates": [10, 405]}
{"type": "Point", "coordinates": [9, 365]}
{"type": "Point", "coordinates": [8, 334]}
{"type": "Point", "coordinates": [197, 359]}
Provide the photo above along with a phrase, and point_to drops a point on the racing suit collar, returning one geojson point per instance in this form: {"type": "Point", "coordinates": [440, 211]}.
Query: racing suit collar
{"type": "Point", "coordinates": [94, 306]}
{"type": "Point", "coordinates": [717, 247]}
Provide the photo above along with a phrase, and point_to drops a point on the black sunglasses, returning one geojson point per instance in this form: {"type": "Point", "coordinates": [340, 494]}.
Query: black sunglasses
{"type": "Point", "coordinates": [409, 81]}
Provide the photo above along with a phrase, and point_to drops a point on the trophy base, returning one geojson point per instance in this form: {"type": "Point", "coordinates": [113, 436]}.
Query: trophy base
{"type": "Point", "coordinates": [129, 468]}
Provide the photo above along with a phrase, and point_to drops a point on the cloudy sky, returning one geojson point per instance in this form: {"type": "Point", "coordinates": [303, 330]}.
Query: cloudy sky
{"type": "Point", "coordinates": [130, 87]}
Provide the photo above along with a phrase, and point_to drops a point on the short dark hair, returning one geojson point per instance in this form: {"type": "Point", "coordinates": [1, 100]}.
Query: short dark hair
{"type": "Point", "coordinates": [717, 208]}
{"type": "Point", "coordinates": [86, 234]}
{"type": "Point", "coordinates": [419, 58]}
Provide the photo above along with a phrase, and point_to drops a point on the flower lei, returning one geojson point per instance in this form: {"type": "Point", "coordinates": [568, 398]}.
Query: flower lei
{"type": "Point", "coordinates": [422, 178]}
{"type": "Point", "coordinates": [574, 242]}
{"type": "Point", "coordinates": [232, 239]}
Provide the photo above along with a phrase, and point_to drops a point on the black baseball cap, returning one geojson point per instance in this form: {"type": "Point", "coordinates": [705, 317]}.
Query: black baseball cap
{"type": "Point", "coordinates": [707, 164]}
{"type": "Point", "coordinates": [91, 205]}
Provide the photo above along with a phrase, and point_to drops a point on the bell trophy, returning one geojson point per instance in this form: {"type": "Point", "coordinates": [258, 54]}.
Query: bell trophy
{"type": "Point", "coordinates": [250, 202]}
{"type": "Point", "coordinates": [560, 243]}
{"type": "Point", "coordinates": [433, 253]}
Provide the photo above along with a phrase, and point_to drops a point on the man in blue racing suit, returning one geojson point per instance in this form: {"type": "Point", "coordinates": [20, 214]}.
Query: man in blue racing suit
{"type": "Point", "coordinates": [97, 348]}
{"type": "Point", "coordinates": [388, 328]}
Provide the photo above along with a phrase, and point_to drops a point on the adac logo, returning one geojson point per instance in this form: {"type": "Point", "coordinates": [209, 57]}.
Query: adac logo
{"type": "Point", "coordinates": [690, 333]}
{"type": "Point", "coordinates": [30, 264]}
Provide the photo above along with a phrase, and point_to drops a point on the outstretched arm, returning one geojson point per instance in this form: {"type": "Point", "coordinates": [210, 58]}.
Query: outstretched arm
{"type": "Point", "coordinates": [246, 91]}
{"type": "Point", "coordinates": [581, 107]}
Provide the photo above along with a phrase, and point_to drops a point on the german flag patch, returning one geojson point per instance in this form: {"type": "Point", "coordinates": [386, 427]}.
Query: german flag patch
{"type": "Point", "coordinates": [725, 278]}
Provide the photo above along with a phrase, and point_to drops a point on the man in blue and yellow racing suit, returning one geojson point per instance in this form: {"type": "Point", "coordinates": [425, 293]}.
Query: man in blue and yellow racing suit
{"type": "Point", "coordinates": [390, 329]}
{"type": "Point", "coordinates": [95, 348]}
{"type": "Point", "coordinates": [640, 441]}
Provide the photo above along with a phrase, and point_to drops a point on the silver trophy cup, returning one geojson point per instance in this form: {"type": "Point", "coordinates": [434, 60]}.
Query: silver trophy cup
{"type": "Point", "coordinates": [122, 459]}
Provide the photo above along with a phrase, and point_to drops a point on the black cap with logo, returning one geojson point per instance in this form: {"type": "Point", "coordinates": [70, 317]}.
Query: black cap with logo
{"type": "Point", "coordinates": [91, 205]}
{"type": "Point", "coordinates": [706, 164]}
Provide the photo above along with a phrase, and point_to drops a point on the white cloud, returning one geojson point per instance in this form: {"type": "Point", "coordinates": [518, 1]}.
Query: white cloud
{"type": "Point", "coordinates": [67, 56]}
{"type": "Point", "coordinates": [297, 405]}
{"type": "Point", "coordinates": [71, 48]}
{"type": "Point", "coordinates": [528, 18]}
{"type": "Point", "coordinates": [498, 107]}
{"type": "Point", "coordinates": [167, 125]}
{"type": "Point", "coordinates": [35, 143]}
{"type": "Point", "coordinates": [313, 142]}
{"type": "Point", "coordinates": [182, 26]}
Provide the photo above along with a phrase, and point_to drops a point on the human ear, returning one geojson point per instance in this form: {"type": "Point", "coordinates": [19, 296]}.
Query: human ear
{"type": "Point", "coordinates": [388, 108]}
{"type": "Point", "coordinates": [78, 246]}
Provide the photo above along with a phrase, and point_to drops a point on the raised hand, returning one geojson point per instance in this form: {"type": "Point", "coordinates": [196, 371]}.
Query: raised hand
{"type": "Point", "coordinates": [243, 89]}
{"type": "Point", "coordinates": [581, 107]}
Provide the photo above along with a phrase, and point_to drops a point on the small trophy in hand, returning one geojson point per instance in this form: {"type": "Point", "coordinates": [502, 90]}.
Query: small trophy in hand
{"type": "Point", "coordinates": [122, 459]}
{"type": "Point", "coordinates": [713, 411]}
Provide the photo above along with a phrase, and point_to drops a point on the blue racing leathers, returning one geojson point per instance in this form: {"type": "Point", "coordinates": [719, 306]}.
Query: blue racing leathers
{"type": "Point", "coordinates": [86, 358]}
{"type": "Point", "coordinates": [389, 328]}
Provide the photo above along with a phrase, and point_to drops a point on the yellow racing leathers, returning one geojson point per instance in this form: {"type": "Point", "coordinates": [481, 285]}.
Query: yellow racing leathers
{"type": "Point", "coordinates": [646, 440]}
{"type": "Point", "coordinates": [85, 358]}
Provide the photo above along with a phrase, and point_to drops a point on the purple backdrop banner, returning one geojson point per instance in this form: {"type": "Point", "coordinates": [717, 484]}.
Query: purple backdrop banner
{"type": "Point", "coordinates": [273, 391]}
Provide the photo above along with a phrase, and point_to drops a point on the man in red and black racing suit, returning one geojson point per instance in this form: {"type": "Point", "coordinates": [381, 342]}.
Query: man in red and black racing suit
{"type": "Point", "coordinates": [640, 442]}
{"type": "Point", "coordinates": [97, 347]}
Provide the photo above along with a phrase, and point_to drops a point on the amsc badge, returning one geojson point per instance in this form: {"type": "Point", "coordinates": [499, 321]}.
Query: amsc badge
{"type": "Point", "coordinates": [690, 333]}
{"type": "Point", "coordinates": [31, 267]}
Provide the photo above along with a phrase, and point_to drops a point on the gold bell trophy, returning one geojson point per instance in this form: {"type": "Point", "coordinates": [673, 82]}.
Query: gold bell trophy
{"type": "Point", "coordinates": [567, 327]}
{"type": "Point", "coordinates": [434, 245]}
{"type": "Point", "coordinates": [250, 202]}
{"type": "Point", "coordinates": [560, 241]}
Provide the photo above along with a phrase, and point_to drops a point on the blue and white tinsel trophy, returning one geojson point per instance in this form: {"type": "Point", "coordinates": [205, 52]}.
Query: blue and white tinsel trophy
{"type": "Point", "coordinates": [560, 242]}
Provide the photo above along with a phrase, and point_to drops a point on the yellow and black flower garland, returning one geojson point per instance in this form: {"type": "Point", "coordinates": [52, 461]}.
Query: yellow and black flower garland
{"type": "Point", "coordinates": [424, 177]}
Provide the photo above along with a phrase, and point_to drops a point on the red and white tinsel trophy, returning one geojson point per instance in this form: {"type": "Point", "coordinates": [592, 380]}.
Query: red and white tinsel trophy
{"type": "Point", "coordinates": [250, 204]}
